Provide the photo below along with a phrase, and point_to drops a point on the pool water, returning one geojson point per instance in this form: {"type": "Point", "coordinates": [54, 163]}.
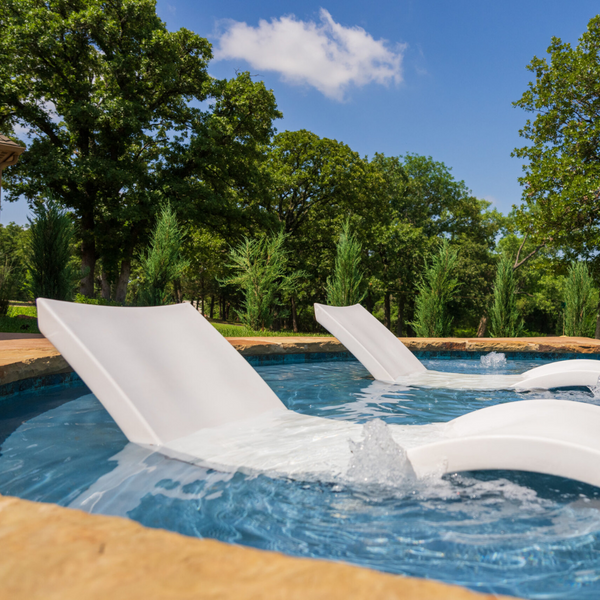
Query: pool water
{"type": "Point", "coordinates": [514, 533]}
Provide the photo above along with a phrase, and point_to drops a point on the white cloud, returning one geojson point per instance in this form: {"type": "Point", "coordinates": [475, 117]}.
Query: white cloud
{"type": "Point", "coordinates": [325, 55]}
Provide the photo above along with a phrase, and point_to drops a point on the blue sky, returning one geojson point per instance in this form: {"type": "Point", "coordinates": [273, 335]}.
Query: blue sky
{"type": "Point", "coordinates": [431, 77]}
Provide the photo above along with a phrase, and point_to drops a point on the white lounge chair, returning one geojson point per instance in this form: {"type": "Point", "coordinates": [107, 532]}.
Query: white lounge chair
{"type": "Point", "coordinates": [174, 385]}
{"type": "Point", "coordinates": [389, 360]}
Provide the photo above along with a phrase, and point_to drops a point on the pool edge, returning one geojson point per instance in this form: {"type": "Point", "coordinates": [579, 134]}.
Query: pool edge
{"type": "Point", "coordinates": [53, 552]}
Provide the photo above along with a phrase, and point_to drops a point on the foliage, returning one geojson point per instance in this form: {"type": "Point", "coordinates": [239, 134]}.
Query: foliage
{"type": "Point", "coordinates": [81, 299]}
{"type": "Point", "coordinates": [10, 324]}
{"type": "Point", "coordinates": [52, 273]}
{"type": "Point", "coordinates": [243, 331]}
{"type": "Point", "coordinates": [7, 286]}
{"type": "Point", "coordinates": [205, 252]}
{"type": "Point", "coordinates": [261, 271]}
{"type": "Point", "coordinates": [505, 320]}
{"type": "Point", "coordinates": [114, 105]}
{"type": "Point", "coordinates": [345, 286]}
{"type": "Point", "coordinates": [14, 242]}
{"type": "Point", "coordinates": [437, 288]}
{"type": "Point", "coordinates": [581, 299]}
{"type": "Point", "coordinates": [162, 264]}
{"type": "Point", "coordinates": [562, 178]}
{"type": "Point", "coordinates": [308, 174]}
{"type": "Point", "coordinates": [314, 183]}
{"type": "Point", "coordinates": [539, 284]}
{"type": "Point", "coordinates": [426, 202]}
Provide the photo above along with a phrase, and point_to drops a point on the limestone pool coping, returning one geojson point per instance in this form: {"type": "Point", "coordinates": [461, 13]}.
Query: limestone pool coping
{"type": "Point", "coordinates": [28, 356]}
{"type": "Point", "coordinates": [50, 552]}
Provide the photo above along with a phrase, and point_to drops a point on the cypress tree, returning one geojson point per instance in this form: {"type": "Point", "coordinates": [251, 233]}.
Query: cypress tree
{"type": "Point", "coordinates": [261, 271]}
{"type": "Point", "coordinates": [52, 273]}
{"type": "Point", "coordinates": [437, 287]}
{"type": "Point", "coordinates": [344, 287]}
{"type": "Point", "coordinates": [504, 315]}
{"type": "Point", "coordinates": [581, 298]}
{"type": "Point", "coordinates": [162, 264]}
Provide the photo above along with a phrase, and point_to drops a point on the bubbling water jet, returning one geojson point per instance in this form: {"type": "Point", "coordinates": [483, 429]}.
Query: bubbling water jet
{"type": "Point", "coordinates": [378, 459]}
{"type": "Point", "coordinates": [493, 360]}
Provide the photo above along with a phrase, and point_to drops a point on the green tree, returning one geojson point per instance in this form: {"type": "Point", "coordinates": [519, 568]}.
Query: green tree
{"type": "Point", "coordinates": [112, 101]}
{"type": "Point", "coordinates": [505, 320]}
{"type": "Point", "coordinates": [581, 298]}
{"type": "Point", "coordinates": [14, 249]}
{"type": "Point", "coordinates": [426, 202]}
{"type": "Point", "coordinates": [539, 282]}
{"type": "Point", "coordinates": [345, 286]}
{"type": "Point", "coordinates": [437, 288]}
{"type": "Point", "coordinates": [561, 184]}
{"type": "Point", "coordinates": [51, 270]}
{"type": "Point", "coordinates": [315, 183]}
{"type": "Point", "coordinates": [261, 271]}
{"type": "Point", "coordinates": [163, 264]}
{"type": "Point", "coordinates": [206, 253]}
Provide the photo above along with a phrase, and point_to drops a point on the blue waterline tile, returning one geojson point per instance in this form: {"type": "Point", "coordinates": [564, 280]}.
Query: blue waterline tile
{"type": "Point", "coordinates": [40, 384]}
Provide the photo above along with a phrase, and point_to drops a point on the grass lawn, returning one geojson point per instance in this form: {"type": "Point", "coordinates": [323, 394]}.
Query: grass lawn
{"type": "Point", "coordinates": [17, 321]}
{"type": "Point", "coordinates": [20, 319]}
{"type": "Point", "coordinates": [231, 330]}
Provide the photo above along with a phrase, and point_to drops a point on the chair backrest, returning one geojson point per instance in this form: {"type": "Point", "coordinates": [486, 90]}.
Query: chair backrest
{"type": "Point", "coordinates": [161, 372]}
{"type": "Point", "coordinates": [373, 344]}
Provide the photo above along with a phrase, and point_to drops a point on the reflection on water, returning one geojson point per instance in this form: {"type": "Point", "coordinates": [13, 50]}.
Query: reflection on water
{"type": "Point", "coordinates": [528, 535]}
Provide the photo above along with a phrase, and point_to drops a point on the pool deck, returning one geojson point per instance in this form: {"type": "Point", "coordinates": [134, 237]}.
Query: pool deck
{"type": "Point", "coordinates": [55, 553]}
{"type": "Point", "coordinates": [52, 553]}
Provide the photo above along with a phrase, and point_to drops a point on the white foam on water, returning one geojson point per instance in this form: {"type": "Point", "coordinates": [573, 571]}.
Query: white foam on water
{"type": "Point", "coordinates": [596, 390]}
{"type": "Point", "coordinates": [460, 381]}
{"type": "Point", "coordinates": [493, 360]}
{"type": "Point", "coordinates": [378, 459]}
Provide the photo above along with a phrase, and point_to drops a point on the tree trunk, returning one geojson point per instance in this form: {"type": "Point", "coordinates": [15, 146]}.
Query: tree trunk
{"type": "Point", "coordinates": [400, 323]}
{"type": "Point", "coordinates": [123, 282]}
{"type": "Point", "coordinates": [387, 319]}
{"type": "Point", "coordinates": [481, 330]}
{"type": "Point", "coordinates": [202, 301]}
{"type": "Point", "coordinates": [212, 307]}
{"type": "Point", "coordinates": [88, 263]}
{"type": "Point", "coordinates": [294, 316]}
{"type": "Point", "coordinates": [105, 283]}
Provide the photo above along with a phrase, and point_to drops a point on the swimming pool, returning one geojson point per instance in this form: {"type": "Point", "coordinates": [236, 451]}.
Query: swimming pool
{"type": "Point", "coordinates": [528, 535]}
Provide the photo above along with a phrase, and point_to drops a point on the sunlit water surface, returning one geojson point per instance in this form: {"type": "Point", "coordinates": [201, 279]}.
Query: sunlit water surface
{"type": "Point", "coordinates": [511, 533]}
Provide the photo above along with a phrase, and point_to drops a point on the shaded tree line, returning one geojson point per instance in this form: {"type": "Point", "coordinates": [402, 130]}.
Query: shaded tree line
{"type": "Point", "coordinates": [132, 138]}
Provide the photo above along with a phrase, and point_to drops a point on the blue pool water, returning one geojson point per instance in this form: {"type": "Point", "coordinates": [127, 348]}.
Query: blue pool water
{"type": "Point", "coordinates": [511, 533]}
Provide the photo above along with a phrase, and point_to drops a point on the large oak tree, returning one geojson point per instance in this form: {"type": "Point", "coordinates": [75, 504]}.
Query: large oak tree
{"type": "Point", "coordinates": [122, 114]}
{"type": "Point", "coordinates": [562, 174]}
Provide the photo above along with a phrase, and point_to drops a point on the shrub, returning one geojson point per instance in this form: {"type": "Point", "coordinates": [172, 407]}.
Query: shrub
{"type": "Point", "coordinates": [7, 285]}
{"type": "Point", "coordinates": [344, 287]}
{"type": "Point", "coordinates": [437, 287]}
{"type": "Point", "coordinates": [163, 263]}
{"type": "Point", "coordinates": [581, 299]}
{"type": "Point", "coordinates": [505, 320]}
{"type": "Point", "coordinates": [52, 272]}
{"type": "Point", "coordinates": [261, 271]}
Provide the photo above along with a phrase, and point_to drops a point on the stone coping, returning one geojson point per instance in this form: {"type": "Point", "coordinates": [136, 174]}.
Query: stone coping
{"type": "Point", "coordinates": [55, 553]}
{"type": "Point", "coordinates": [31, 356]}
{"type": "Point", "coordinates": [296, 345]}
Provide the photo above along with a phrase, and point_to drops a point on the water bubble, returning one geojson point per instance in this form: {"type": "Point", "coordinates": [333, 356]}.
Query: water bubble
{"type": "Point", "coordinates": [493, 360]}
{"type": "Point", "coordinates": [378, 459]}
{"type": "Point", "coordinates": [595, 389]}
